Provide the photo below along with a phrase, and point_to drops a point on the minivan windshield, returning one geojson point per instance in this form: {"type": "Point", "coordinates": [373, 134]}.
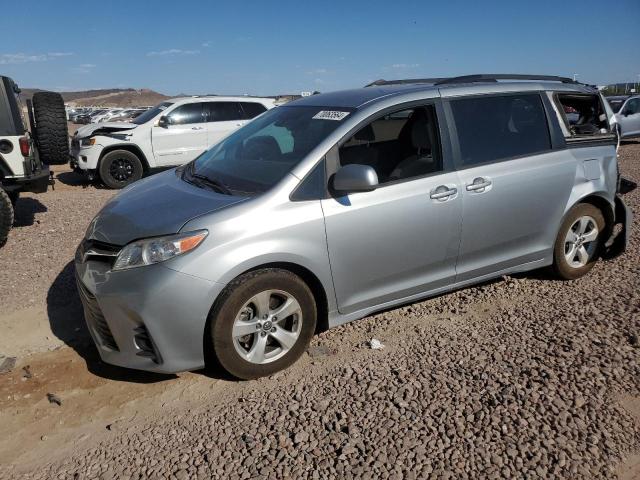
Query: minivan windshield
{"type": "Point", "coordinates": [152, 112]}
{"type": "Point", "coordinates": [257, 156]}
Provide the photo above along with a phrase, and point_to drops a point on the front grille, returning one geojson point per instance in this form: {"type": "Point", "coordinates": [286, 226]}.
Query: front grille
{"type": "Point", "coordinates": [145, 344]}
{"type": "Point", "coordinates": [97, 251]}
{"type": "Point", "coordinates": [95, 318]}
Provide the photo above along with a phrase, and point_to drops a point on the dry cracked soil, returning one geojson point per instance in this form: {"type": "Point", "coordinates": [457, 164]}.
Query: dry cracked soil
{"type": "Point", "coordinates": [522, 377]}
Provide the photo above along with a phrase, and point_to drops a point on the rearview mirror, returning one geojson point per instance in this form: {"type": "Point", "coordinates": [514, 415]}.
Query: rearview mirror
{"type": "Point", "coordinates": [164, 122]}
{"type": "Point", "coordinates": [355, 178]}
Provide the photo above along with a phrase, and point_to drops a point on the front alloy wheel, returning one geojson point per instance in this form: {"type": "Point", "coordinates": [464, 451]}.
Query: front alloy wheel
{"type": "Point", "coordinates": [267, 326]}
{"type": "Point", "coordinates": [262, 323]}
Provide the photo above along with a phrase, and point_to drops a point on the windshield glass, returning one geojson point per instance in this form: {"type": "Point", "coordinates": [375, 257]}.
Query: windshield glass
{"type": "Point", "coordinates": [149, 114]}
{"type": "Point", "coordinates": [257, 156]}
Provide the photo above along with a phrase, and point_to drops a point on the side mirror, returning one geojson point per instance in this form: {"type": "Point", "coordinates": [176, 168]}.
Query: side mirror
{"type": "Point", "coordinates": [164, 122]}
{"type": "Point", "coordinates": [355, 178]}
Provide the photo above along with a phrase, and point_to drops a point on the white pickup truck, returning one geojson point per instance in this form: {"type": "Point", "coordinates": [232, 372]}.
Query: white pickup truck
{"type": "Point", "coordinates": [172, 133]}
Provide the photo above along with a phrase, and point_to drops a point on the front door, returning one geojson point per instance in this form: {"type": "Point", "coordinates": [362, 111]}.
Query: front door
{"type": "Point", "coordinates": [223, 119]}
{"type": "Point", "coordinates": [183, 138]}
{"type": "Point", "coordinates": [629, 118]}
{"type": "Point", "coordinates": [402, 238]}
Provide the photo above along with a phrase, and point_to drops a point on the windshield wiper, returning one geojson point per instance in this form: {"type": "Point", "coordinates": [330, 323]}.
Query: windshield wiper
{"type": "Point", "coordinates": [210, 182]}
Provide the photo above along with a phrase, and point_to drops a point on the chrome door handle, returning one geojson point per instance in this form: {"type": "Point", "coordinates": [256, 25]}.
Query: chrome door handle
{"type": "Point", "coordinates": [478, 184]}
{"type": "Point", "coordinates": [440, 194]}
{"type": "Point", "coordinates": [197, 128]}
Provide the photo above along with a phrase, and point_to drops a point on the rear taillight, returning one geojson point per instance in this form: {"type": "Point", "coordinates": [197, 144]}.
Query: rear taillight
{"type": "Point", "coordinates": [25, 146]}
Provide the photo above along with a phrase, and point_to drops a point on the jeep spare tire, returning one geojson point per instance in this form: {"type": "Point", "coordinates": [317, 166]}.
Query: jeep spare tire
{"type": "Point", "coordinates": [6, 216]}
{"type": "Point", "coordinates": [50, 129]}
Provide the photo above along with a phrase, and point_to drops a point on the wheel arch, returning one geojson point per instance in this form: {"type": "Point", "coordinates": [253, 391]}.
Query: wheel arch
{"type": "Point", "coordinates": [129, 147]}
{"type": "Point", "coordinates": [599, 201]}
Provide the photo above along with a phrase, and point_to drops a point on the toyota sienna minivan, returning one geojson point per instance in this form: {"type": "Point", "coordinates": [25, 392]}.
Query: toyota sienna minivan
{"type": "Point", "coordinates": [338, 205]}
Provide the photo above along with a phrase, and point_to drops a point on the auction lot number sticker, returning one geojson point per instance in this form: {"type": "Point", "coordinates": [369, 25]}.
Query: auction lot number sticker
{"type": "Point", "coordinates": [330, 115]}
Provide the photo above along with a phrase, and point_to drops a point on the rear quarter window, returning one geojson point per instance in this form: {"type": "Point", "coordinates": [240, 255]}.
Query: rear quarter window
{"type": "Point", "coordinates": [252, 109]}
{"type": "Point", "coordinates": [583, 116]}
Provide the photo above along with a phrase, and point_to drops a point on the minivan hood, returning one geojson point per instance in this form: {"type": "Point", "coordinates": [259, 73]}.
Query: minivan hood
{"type": "Point", "coordinates": [105, 127]}
{"type": "Point", "coordinates": [158, 205]}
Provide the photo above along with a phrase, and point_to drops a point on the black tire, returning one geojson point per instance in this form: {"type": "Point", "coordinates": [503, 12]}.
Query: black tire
{"type": "Point", "coordinates": [50, 129]}
{"type": "Point", "coordinates": [6, 216]}
{"type": "Point", "coordinates": [561, 266]}
{"type": "Point", "coordinates": [120, 168]}
{"type": "Point", "coordinates": [231, 301]}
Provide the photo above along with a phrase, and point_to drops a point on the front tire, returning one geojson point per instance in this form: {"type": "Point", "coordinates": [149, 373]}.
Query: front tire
{"type": "Point", "coordinates": [120, 168]}
{"type": "Point", "coordinates": [6, 216]}
{"type": "Point", "coordinates": [262, 323]}
{"type": "Point", "coordinates": [579, 242]}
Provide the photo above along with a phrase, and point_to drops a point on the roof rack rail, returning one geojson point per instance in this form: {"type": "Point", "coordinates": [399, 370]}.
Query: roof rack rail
{"type": "Point", "coordinates": [488, 77]}
{"type": "Point", "coordinates": [406, 81]}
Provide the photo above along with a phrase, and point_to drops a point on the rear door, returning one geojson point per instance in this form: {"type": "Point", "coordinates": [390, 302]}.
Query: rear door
{"type": "Point", "coordinates": [514, 187]}
{"type": "Point", "coordinates": [223, 118]}
{"type": "Point", "coordinates": [184, 138]}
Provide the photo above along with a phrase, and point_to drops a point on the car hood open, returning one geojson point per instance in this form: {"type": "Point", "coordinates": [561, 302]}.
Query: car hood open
{"type": "Point", "coordinates": [158, 205]}
{"type": "Point", "coordinates": [102, 128]}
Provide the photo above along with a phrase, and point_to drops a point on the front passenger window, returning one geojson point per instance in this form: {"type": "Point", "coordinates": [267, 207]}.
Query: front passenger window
{"type": "Point", "coordinates": [186, 114]}
{"type": "Point", "coordinates": [399, 145]}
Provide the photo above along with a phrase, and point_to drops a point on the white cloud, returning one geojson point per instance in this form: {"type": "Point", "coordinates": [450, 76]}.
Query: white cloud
{"type": "Point", "coordinates": [405, 65]}
{"type": "Point", "coordinates": [318, 71]}
{"type": "Point", "coordinates": [15, 58]}
{"type": "Point", "coordinates": [207, 44]}
{"type": "Point", "coordinates": [84, 68]}
{"type": "Point", "coordinates": [88, 65]}
{"type": "Point", "coordinates": [173, 51]}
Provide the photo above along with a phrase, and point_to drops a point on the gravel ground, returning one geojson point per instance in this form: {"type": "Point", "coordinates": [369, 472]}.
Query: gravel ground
{"type": "Point", "coordinates": [524, 377]}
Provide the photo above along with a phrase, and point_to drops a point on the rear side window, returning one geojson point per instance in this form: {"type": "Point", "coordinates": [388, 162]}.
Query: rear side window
{"type": "Point", "coordinates": [494, 128]}
{"type": "Point", "coordinates": [252, 109]}
{"type": "Point", "coordinates": [584, 115]}
{"type": "Point", "coordinates": [225, 111]}
{"type": "Point", "coordinates": [631, 107]}
{"type": "Point", "coordinates": [188, 113]}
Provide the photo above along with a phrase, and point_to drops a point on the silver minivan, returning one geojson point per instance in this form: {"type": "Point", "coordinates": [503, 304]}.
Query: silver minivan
{"type": "Point", "coordinates": [338, 205]}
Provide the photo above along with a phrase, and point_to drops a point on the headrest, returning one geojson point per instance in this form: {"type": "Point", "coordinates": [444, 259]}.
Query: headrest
{"type": "Point", "coordinates": [365, 134]}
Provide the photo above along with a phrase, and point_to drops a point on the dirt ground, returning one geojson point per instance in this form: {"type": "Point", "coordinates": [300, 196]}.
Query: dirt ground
{"type": "Point", "coordinates": [60, 405]}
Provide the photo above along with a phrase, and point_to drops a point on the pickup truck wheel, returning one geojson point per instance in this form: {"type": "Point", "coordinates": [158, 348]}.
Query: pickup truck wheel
{"type": "Point", "coordinates": [6, 216]}
{"type": "Point", "coordinates": [579, 242]}
{"type": "Point", "coordinates": [262, 323]}
{"type": "Point", "coordinates": [120, 168]}
{"type": "Point", "coordinates": [50, 129]}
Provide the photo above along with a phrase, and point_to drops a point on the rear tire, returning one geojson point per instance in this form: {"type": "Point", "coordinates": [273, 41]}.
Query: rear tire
{"type": "Point", "coordinates": [271, 343]}
{"type": "Point", "coordinates": [6, 216]}
{"type": "Point", "coordinates": [579, 242]}
{"type": "Point", "coordinates": [50, 129]}
{"type": "Point", "coordinates": [120, 168]}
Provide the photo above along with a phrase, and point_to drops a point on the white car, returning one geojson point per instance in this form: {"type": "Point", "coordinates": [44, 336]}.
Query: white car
{"type": "Point", "coordinates": [106, 116]}
{"type": "Point", "coordinates": [170, 134]}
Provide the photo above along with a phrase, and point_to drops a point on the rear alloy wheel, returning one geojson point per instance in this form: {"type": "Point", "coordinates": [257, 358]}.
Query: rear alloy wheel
{"type": "Point", "coordinates": [120, 168]}
{"type": "Point", "coordinates": [262, 323]}
{"type": "Point", "coordinates": [579, 242]}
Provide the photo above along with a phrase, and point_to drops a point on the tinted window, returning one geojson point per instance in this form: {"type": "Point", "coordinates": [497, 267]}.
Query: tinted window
{"type": "Point", "coordinates": [188, 113]}
{"type": "Point", "coordinates": [253, 109]}
{"type": "Point", "coordinates": [494, 128]}
{"type": "Point", "coordinates": [224, 111]}
{"type": "Point", "coordinates": [399, 145]}
{"type": "Point", "coordinates": [632, 107]}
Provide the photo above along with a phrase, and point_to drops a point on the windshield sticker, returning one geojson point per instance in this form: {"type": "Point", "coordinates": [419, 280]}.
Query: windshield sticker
{"type": "Point", "coordinates": [330, 115]}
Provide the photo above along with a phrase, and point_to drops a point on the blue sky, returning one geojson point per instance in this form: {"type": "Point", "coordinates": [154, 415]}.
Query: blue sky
{"type": "Point", "coordinates": [286, 47]}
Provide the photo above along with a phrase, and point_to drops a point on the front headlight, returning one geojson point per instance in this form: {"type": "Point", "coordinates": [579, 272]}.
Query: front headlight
{"type": "Point", "coordinates": [156, 250]}
{"type": "Point", "coordinates": [87, 142]}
